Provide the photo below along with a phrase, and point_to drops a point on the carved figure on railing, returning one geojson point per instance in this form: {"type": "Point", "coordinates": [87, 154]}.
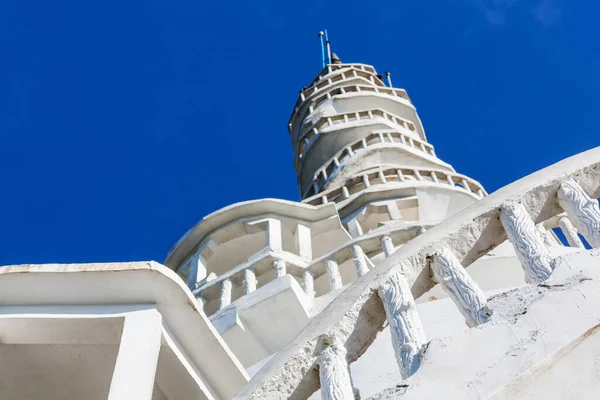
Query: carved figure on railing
{"type": "Point", "coordinates": [408, 336]}
{"type": "Point", "coordinates": [465, 293]}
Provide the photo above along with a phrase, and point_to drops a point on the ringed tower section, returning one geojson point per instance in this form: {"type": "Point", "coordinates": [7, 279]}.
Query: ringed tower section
{"type": "Point", "coordinates": [358, 141]}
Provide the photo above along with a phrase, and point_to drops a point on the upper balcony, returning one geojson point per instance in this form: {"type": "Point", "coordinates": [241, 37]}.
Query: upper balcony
{"type": "Point", "coordinates": [256, 234]}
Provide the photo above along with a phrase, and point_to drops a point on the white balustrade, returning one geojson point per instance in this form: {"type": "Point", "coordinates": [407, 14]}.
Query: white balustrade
{"type": "Point", "coordinates": [461, 288]}
{"type": "Point", "coordinates": [406, 329]}
{"type": "Point", "coordinates": [530, 248]}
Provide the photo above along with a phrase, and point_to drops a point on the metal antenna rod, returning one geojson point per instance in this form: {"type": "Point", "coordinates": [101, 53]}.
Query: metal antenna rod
{"type": "Point", "coordinates": [322, 49]}
{"type": "Point", "coordinates": [389, 78]}
{"type": "Point", "coordinates": [328, 48]}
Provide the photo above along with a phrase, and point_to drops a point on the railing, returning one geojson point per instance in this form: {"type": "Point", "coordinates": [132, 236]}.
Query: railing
{"type": "Point", "coordinates": [333, 166]}
{"type": "Point", "coordinates": [345, 329]}
{"type": "Point", "coordinates": [315, 100]}
{"type": "Point", "coordinates": [398, 175]}
{"type": "Point", "coordinates": [309, 136]}
{"type": "Point", "coordinates": [334, 67]}
{"type": "Point", "coordinates": [343, 73]}
{"type": "Point", "coordinates": [283, 263]}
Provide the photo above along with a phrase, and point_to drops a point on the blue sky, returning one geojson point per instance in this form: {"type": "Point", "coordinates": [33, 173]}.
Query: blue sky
{"type": "Point", "coordinates": [122, 123]}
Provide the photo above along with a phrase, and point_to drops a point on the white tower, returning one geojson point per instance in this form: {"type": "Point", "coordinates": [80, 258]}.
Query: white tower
{"type": "Point", "coordinates": [370, 182]}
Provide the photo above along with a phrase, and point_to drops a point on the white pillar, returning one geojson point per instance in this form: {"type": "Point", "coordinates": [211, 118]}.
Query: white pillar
{"type": "Point", "coordinates": [461, 288]}
{"type": "Point", "coordinates": [309, 283]}
{"type": "Point", "coordinates": [358, 256]}
{"type": "Point", "coordinates": [226, 287]}
{"type": "Point", "coordinates": [583, 211]}
{"type": "Point", "coordinates": [249, 280]}
{"type": "Point", "coordinates": [197, 270]}
{"type": "Point", "coordinates": [273, 234]}
{"type": "Point", "coordinates": [304, 241]}
{"type": "Point", "coordinates": [334, 374]}
{"type": "Point", "coordinates": [530, 248]}
{"type": "Point", "coordinates": [570, 232]}
{"type": "Point", "coordinates": [280, 268]}
{"type": "Point", "coordinates": [388, 245]}
{"type": "Point", "coordinates": [333, 272]}
{"type": "Point", "coordinates": [137, 359]}
{"type": "Point", "coordinates": [408, 335]}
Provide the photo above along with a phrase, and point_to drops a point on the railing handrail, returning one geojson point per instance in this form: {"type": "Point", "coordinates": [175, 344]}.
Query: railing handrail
{"type": "Point", "coordinates": [405, 141]}
{"type": "Point", "coordinates": [345, 87]}
{"type": "Point", "coordinates": [301, 147]}
{"type": "Point", "coordinates": [356, 316]}
{"type": "Point", "coordinates": [332, 194]}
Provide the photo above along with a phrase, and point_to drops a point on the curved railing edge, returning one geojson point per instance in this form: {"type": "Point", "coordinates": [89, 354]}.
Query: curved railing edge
{"type": "Point", "coordinates": [356, 316]}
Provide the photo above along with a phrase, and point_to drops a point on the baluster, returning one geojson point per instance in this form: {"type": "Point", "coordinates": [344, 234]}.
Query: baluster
{"type": "Point", "coordinates": [358, 256]}
{"type": "Point", "coordinates": [334, 373]}
{"type": "Point", "coordinates": [406, 329]}
{"type": "Point", "coordinates": [461, 288]}
{"type": "Point", "coordinates": [333, 272]}
{"type": "Point", "coordinates": [387, 245]}
{"type": "Point", "coordinates": [345, 192]}
{"type": "Point", "coordinates": [249, 281]}
{"type": "Point", "coordinates": [280, 268]}
{"type": "Point", "coordinates": [583, 211]}
{"type": "Point", "coordinates": [309, 283]}
{"type": "Point", "coordinates": [529, 246]}
{"type": "Point", "coordinates": [570, 232]}
{"type": "Point", "coordinates": [366, 182]}
{"type": "Point", "coordinates": [225, 294]}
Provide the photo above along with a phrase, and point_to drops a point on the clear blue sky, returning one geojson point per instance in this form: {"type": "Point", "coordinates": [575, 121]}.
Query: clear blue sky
{"type": "Point", "coordinates": [122, 123]}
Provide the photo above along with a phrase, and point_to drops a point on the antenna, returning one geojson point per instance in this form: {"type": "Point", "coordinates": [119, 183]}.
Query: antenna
{"type": "Point", "coordinates": [328, 48]}
{"type": "Point", "coordinates": [389, 78]}
{"type": "Point", "coordinates": [322, 49]}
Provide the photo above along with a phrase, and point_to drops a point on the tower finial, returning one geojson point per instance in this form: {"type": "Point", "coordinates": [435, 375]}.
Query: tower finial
{"type": "Point", "coordinates": [322, 49]}
{"type": "Point", "coordinates": [328, 48]}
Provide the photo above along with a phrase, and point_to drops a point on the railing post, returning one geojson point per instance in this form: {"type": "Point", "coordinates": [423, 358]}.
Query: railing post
{"type": "Point", "coordinates": [280, 268]}
{"type": "Point", "coordinates": [309, 283]}
{"type": "Point", "coordinates": [304, 241]}
{"type": "Point", "coordinates": [137, 358]}
{"type": "Point", "coordinates": [529, 246]}
{"type": "Point", "coordinates": [570, 232]}
{"type": "Point", "coordinates": [333, 272]}
{"type": "Point", "coordinates": [408, 335]}
{"type": "Point", "coordinates": [197, 270]}
{"type": "Point", "coordinates": [334, 374]}
{"type": "Point", "coordinates": [273, 234]}
{"type": "Point", "coordinates": [461, 288]}
{"type": "Point", "coordinates": [249, 281]}
{"type": "Point", "coordinates": [226, 287]}
{"type": "Point", "coordinates": [388, 245]}
{"type": "Point", "coordinates": [583, 211]}
{"type": "Point", "coordinates": [358, 256]}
